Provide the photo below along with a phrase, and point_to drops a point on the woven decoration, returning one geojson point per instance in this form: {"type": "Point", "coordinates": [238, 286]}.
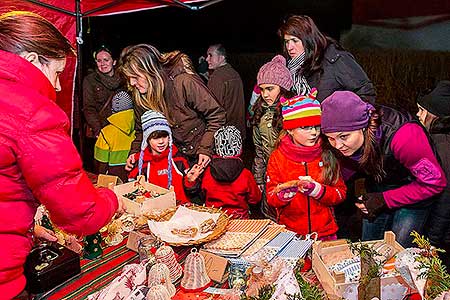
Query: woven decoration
{"type": "Point", "coordinates": [158, 292]}
{"type": "Point", "coordinates": [159, 274]}
{"type": "Point", "coordinates": [195, 278]}
{"type": "Point", "coordinates": [165, 255]}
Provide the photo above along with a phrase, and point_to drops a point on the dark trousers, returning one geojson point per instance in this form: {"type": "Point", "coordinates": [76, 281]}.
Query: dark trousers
{"type": "Point", "coordinates": [401, 221]}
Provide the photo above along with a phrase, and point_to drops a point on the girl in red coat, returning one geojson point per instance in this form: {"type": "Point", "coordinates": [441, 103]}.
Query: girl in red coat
{"type": "Point", "coordinates": [303, 178]}
{"type": "Point", "coordinates": [226, 183]}
{"type": "Point", "coordinates": [159, 160]}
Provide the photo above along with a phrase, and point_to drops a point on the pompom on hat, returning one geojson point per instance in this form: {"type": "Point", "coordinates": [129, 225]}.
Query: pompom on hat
{"type": "Point", "coordinates": [344, 111]}
{"type": "Point", "coordinates": [153, 121]}
{"type": "Point", "coordinates": [275, 72]}
{"type": "Point", "coordinates": [438, 101]}
{"type": "Point", "coordinates": [301, 111]}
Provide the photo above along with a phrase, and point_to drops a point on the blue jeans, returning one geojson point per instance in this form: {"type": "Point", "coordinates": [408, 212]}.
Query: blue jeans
{"type": "Point", "coordinates": [401, 221]}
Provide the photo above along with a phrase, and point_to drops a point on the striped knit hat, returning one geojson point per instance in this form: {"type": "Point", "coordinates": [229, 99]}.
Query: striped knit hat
{"type": "Point", "coordinates": [301, 111]}
{"type": "Point", "coordinates": [153, 121]}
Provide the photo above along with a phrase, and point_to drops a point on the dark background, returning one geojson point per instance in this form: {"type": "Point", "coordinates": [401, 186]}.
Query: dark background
{"type": "Point", "coordinates": [243, 26]}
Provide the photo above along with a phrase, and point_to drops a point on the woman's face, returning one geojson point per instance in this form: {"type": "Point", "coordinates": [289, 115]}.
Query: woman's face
{"type": "Point", "coordinates": [294, 45]}
{"type": "Point", "coordinates": [305, 136]}
{"type": "Point", "coordinates": [105, 63]}
{"type": "Point", "coordinates": [347, 142]}
{"type": "Point", "coordinates": [139, 81]}
{"type": "Point", "coordinates": [52, 70]}
{"type": "Point", "coordinates": [269, 92]}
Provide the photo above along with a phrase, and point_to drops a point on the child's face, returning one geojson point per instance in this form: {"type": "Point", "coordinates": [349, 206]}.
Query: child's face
{"type": "Point", "coordinates": [159, 145]}
{"type": "Point", "coordinates": [305, 136]}
{"type": "Point", "coordinates": [269, 92]}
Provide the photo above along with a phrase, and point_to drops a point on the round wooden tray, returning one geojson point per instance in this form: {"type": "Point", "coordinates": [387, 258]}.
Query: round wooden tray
{"type": "Point", "coordinates": [220, 228]}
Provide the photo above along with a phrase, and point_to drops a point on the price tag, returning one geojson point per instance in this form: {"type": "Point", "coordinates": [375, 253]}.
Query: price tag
{"type": "Point", "coordinates": [215, 265]}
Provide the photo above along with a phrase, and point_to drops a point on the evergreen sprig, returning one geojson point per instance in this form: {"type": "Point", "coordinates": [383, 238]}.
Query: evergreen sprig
{"type": "Point", "coordinates": [438, 279]}
{"type": "Point", "coordinates": [264, 293]}
{"type": "Point", "coordinates": [367, 254]}
{"type": "Point", "coordinates": [308, 291]}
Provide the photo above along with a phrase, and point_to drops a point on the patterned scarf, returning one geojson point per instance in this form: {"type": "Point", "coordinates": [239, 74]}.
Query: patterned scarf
{"type": "Point", "coordinates": [301, 86]}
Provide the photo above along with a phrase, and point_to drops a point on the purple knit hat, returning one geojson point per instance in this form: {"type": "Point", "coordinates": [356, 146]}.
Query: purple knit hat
{"type": "Point", "coordinates": [344, 111]}
{"type": "Point", "coordinates": [275, 72]}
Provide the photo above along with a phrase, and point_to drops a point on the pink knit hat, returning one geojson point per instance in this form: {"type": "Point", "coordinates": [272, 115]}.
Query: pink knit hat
{"type": "Point", "coordinates": [276, 72]}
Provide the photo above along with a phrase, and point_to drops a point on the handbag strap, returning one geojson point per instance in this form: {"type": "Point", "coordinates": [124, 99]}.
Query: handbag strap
{"type": "Point", "coordinates": [106, 104]}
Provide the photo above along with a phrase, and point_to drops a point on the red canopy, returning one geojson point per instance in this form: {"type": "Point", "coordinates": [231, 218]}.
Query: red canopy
{"type": "Point", "coordinates": [64, 13]}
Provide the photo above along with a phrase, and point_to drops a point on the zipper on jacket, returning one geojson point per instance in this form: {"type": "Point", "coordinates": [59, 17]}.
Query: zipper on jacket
{"type": "Point", "coordinates": [309, 204]}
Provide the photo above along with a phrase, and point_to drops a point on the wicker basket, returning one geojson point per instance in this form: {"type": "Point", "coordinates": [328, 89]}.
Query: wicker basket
{"type": "Point", "coordinates": [220, 228]}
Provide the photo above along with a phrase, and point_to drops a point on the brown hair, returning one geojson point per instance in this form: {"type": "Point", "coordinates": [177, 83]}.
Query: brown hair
{"type": "Point", "coordinates": [331, 169]}
{"type": "Point", "coordinates": [314, 41]}
{"type": "Point", "coordinates": [157, 134]}
{"type": "Point", "coordinates": [259, 110]}
{"type": "Point", "coordinates": [22, 31]}
{"type": "Point", "coordinates": [371, 160]}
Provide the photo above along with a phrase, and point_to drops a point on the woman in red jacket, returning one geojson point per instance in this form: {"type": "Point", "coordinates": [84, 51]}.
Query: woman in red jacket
{"type": "Point", "coordinates": [303, 178]}
{"type": "Point", "coordinates": [38, 162]}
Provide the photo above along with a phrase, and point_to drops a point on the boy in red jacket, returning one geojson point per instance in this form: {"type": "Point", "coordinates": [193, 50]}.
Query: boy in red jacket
{"type": "Point", "coordinates": [225, 183]}
{"type": "Point", "coordinates": [159, 160]}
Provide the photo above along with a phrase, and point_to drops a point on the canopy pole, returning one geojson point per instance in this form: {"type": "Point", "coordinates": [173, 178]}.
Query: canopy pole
{"type": "Point", "coordinates": [59, 9]}
{"type": "Point", "coordinates": [79, 79]}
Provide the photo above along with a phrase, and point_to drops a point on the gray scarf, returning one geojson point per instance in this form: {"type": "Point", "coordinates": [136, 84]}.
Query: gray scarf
{"type": "Point", "coordinates": [301, 86]}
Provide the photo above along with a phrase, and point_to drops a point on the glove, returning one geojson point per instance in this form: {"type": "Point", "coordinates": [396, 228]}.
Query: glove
{"type": "Point", "coordinates": [312, 188]}
{"type": "Point", "coordinates": [287, 194]}
{"type": "Point", "coordinates": [374, 203]}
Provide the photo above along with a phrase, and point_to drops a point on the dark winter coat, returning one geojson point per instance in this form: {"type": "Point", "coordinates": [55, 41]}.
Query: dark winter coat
{"type": "Point", "coordinates": [98, 88]}
{"type": "Point", "coordinates": [439, 225]}
{"type": "Point", "coordinates": [341, 72]}
{"type": "Point", "coordinates": [226, 85]}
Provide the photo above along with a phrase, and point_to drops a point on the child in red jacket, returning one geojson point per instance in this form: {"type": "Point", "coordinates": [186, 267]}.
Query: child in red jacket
{"type": "Point", "coordinates": [159, 160]}
{"type": "Point", "coordinates": [225, 183]}
{"type": "Point", "coordinates": [303, 178]}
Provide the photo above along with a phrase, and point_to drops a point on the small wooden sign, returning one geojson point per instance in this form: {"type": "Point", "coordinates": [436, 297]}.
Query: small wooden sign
{"type": "Point", "coordinates": [215, 265]}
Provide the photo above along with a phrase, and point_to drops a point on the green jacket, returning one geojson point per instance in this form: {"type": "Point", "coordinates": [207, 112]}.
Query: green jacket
{"type": "Point", "coordinates": [264, 138]}
{"type": "Point", "coordinates": [114, 140]}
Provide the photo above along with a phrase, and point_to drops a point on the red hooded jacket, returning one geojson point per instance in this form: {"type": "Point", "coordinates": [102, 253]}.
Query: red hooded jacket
{"type": "Point", "coordinates": [158, 170]}
{"type": "Point", "coordinates": [38, 165]}
{"type": "Point", "coordinates": [303, 214]}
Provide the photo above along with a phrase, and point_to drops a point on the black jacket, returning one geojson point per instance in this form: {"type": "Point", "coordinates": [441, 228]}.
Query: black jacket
{"type": "Point", "coordinates": [341, 72]}
{"type": "Point", "coordinates": [439, 221]}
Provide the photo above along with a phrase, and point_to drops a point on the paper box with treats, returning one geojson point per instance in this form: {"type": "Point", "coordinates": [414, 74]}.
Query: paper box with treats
{"type": "Point", "coordinates": [335, 266]}
{"type": "Point", "coordinates": [143, 197]}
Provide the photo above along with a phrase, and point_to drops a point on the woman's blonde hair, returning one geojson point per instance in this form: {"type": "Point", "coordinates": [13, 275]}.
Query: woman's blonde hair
{"type": "Point", "coordinates": [145, 60]}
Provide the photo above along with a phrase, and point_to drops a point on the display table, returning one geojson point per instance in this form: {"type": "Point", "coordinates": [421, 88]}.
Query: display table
{"type": "Point", "coordinates": [98, 273]}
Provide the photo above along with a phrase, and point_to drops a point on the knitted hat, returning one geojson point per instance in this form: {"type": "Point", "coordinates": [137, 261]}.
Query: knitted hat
{"type": "Point", "coordinates": [276, 72]}
{"type": "Point", "coordinates": [301, 111]}
{"type": "Point", "coordinates": [228, 141]}
{"type": "Point", "coordinates": [344, 111]}
{"type": "Point", "coordinates": [151, 122]}
{"type": "Point", "coordinates": [195, 278]}
{"type": "Point", "coordinates": [121, 101]}
{"type": "Point", "coordinates": [438, 101]}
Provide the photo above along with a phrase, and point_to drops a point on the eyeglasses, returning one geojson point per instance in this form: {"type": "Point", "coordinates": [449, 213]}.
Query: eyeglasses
{"type": "Point", "coordinates": [310, 128]}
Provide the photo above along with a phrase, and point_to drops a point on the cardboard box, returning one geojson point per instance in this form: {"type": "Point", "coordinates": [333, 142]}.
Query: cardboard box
{"type": "Point", "coordinates": [334, 282]}
{"type": "Point", "coordinates": [108, 180]}
{"type": "Point", "coordinates": [165, 201]}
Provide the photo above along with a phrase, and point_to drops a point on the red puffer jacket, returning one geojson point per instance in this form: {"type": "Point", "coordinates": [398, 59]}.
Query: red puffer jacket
{"type": "Point", "coordinates": [302, 214]}
{"type": "Point", "coordinates": [38, 165]}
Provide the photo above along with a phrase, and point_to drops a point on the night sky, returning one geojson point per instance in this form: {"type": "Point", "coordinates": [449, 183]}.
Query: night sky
{"type": "Point", "coordinates": [244, 26]}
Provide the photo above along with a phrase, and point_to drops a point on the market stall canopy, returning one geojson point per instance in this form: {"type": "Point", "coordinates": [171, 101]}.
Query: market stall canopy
{"type": "Point", "coordinates": [67, 16]}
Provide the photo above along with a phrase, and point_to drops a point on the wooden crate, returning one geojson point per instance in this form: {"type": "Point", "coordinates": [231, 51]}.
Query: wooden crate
{"type": "Point", "coordinates": [165, 201]}
{"type": "Point", "coordinates": [334, 282]}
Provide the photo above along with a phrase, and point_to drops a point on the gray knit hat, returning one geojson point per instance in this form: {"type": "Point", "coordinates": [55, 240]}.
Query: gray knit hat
{"type": "Point", "coordinates": [228, 141]}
